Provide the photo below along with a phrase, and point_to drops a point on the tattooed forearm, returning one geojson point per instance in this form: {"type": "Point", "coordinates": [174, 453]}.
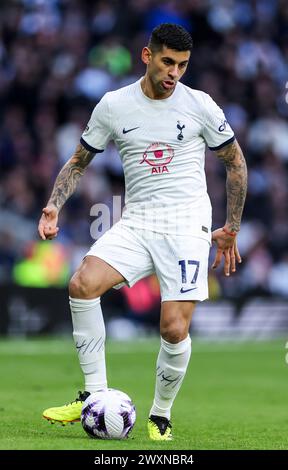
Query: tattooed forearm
{"type": "Point", "coordinates": [69, 176]}
{"type": "Point", "coordinates": [236, 183]}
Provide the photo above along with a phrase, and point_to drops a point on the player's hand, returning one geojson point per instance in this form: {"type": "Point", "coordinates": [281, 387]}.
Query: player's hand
{"type": "Point", "coordinates": [227, 247]}
{"type": "Point", "coordinates": [47, 227]}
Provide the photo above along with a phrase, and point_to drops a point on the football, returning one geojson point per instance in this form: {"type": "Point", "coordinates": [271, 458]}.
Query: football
{"type": "Point", "coordinates": [108, 414]}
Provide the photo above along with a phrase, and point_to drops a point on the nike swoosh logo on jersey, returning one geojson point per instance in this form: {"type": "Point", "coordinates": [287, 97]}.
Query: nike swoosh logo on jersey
{"type": "Point", "coordinates": [186, 290]}
{"type": "Point", "coordinates": [129, 130]}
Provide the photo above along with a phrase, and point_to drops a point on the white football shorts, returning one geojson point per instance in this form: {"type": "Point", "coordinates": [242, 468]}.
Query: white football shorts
{"type": "Point", "coordinates": [179, 261]}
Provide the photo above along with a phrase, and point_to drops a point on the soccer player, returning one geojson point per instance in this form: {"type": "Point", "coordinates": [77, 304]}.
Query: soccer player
{"type": "Point", "coordinates": [161, 128]}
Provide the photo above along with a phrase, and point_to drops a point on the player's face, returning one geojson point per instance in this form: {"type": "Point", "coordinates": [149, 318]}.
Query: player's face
{"type": "Point", "coordinates": [164, 69]}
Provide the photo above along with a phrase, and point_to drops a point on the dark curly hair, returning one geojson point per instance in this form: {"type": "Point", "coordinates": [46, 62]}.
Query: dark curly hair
{"type": "Point", "coordinates": [172, 36]}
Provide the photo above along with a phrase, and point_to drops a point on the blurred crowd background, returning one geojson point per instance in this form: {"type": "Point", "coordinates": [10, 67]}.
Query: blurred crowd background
{"type": "Point", "coordinates": [58, 58]}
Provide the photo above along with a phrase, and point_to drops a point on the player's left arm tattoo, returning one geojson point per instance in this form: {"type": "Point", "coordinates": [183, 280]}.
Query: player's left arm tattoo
{"type": "Point", "coordinates": [236, 183]}
{"type": "Point", "coordinates": [69, 176]}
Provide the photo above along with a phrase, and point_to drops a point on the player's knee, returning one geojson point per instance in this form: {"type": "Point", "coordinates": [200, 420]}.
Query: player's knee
{"type": "Point", "coordinates": [77, 288]}
{"type": "Point", "coordinates": [81, 287]}
{"type": "Point", "coordinates": [174, 332]}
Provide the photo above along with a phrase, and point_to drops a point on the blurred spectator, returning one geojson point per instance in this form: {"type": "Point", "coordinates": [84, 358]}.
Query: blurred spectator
{"type": "Point", "coordinates": [278, 277]}
{"type": "Point", "coordinates": [46, 265]}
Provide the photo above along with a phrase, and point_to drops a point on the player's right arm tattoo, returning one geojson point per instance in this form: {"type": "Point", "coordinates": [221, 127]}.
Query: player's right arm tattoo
{"type": "Point", "coordinates": [236, 183]}
{"type": "Point", "coordinates": [69, 176]}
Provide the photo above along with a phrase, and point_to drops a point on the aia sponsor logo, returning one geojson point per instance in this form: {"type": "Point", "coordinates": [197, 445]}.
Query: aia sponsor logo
{"type": "Point", "coordinates": [158, 156]}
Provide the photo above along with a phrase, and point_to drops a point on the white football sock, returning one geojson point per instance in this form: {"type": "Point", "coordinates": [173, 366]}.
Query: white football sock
{"type": "Point", "coordinates": [89, 337]}
{"type": "Point", "coordinates": [172, 363]}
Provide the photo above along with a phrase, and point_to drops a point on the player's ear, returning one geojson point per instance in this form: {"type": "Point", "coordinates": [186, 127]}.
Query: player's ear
{"type": "Point", "coordinates": [146, 55]}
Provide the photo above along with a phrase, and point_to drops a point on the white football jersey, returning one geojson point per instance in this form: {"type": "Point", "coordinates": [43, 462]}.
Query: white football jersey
{"type": "Point", "coordinates": [162, 148]}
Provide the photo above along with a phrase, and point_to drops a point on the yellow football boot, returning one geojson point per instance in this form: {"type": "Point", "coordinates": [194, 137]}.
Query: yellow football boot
{"type": "Point", "coordinates": [159, 428]}
{"type": "Point", "coordinates": [69, 413]}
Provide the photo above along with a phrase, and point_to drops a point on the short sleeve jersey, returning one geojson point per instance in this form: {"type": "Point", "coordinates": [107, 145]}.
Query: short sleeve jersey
{"type": "Point", "coordinates": [162, 147]}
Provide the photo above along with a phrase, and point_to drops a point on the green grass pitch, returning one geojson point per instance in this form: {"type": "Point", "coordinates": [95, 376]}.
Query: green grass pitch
{"type": "Point", "coordinates": [234, 395]}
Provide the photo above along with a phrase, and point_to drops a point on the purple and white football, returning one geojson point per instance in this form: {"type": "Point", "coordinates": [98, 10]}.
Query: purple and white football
{"type": "Point", "coordinates": [108, 414]}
